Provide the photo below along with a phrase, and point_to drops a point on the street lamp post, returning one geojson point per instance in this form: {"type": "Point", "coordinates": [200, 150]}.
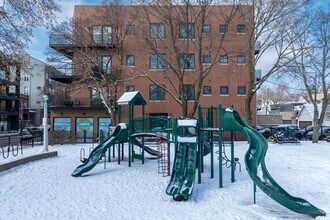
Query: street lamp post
{"type": "Point", "coordinates": [45, 123]}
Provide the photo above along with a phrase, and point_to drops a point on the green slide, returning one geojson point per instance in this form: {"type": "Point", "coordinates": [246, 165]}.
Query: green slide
{"type": "Point", "coordinates": [183, 174]}
{"type": "Point", "coordinates": [255, 165]}
{"type": "Point", "coordinates": [119, 134]}
{"type": "Point", "coordinates": [147, 149]}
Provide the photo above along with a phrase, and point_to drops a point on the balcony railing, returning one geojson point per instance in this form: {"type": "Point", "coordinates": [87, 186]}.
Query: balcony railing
{"type": "Point", "coordinates": [60, 40]}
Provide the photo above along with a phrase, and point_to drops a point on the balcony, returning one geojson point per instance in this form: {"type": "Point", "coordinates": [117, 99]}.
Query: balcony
{"type": "Point", "coordinates": [66, 46]}
{"type": "Point", "coordinates": [9, 111]}
{"type": "Point", "coordinates": [62, 44]}
{"type": "Point", "coordinates": [10, 96]}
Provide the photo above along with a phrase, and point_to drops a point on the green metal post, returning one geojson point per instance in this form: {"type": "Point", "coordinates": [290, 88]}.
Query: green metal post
{"type": "Point", "coordinates": [254, 193]}
{"type": "Point", "coordinates": [212, 155]}
{"type": "Point", "coordinates": [199, 136]}
{"type": "Point", "coordinates": [129, 135]}
{"type": "Point", "coordinates": [143, 147]}
{"type": "Point", "coordinates": [114, 151]}
{"type": "Point", "coordinates": [101, 136]}
{"type": "Point", "coordinates": [232, 158]}
{"type": "Point", "coordinates": [220, 126]}
{"type": "Point", "coordinates": [118, 153]}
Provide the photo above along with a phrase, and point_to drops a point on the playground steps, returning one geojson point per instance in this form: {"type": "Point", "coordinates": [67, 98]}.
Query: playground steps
{"type": "Point", "coordinates": [163, 161]}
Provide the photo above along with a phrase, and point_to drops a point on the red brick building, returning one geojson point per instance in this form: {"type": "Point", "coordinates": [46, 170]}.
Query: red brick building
{"type": "Point", "coordinates": [224, 48]}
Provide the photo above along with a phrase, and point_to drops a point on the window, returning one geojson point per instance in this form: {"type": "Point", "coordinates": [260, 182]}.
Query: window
{"type": "Point", "coordinates": [241, 59]}
{"type": "Point", "coordinates": [207, 90]}
{"type": "Point", "coordinates": [187, 61]}
{"type": "Point", "coordinates": [38, 87]}
{"type": "Point", "coordinates": [224, 59]}
{"type": "Point", "coordinates": [224, 90]}
{"type": "Point", "coordinates": [62, 124]}
{"type": "Point", "coordinates": [2, 74]}
{"type": "Point", "coordinates": [26, 90]}
{"type": "Point", "coordinates": [130, 88]}
{"type": "Point", "coordinates": [95, 98]}
{"type": "Point", "coordinates": [240, 29]}
{"type": "Point", "coordinates": [26, 78]}
{"type": "Point", "coordinates": [130, 29]}
{"type": "Point", "coordinates": [102, 34]}
{"type": "Point", "coordinates": [130, 60]}
{"type": "Point", "coordinates": [241, 90]}
{"type": "Point", "coordinates": [189, 90]}
{"type": "Point", "coordinates": [223, 29]}
{"type": "Point", "coordinates": [206, 59]}
{"type": "Point", "coordinates": [206, 29]}
{"type": "Point", "coordinates": [156, 92]}
{"type": "Point", "coordinates": [105, 64]}
{"type": "Point", "coordinates": [38, 102]}
{"type": "Point", "coordinates": [186, 31]}
{"type": "Point", "coordinates": [157, 61]}
{"type": "Point", "coordinates": [157, 31]}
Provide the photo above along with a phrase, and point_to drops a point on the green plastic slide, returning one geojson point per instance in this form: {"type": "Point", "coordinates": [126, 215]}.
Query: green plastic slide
{"type": "Point", "coordinates": [255, 165]}
{"type": "Point", "coordinates": [147, 149]}
{"type": "Point", "coordinates": [183, 174]}
{"type": "Point", "coordinates": [119, 133]}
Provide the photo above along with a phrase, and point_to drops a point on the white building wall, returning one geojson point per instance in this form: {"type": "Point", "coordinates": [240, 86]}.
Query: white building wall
{"type": "Point", "coordinates": [33, 82]}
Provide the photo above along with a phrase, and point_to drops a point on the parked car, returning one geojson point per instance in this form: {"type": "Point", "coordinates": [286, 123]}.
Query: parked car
{"type": "Point", "coordinates": [306, 130]}
{"type": "Point", "coordinates": [35, 131]}
{"type": "Point", "coordinates": [26, 134]}
{"type": "Point", "coordinates": [263, 131]}
{"type": "Point", "coordinates": [289, 130]}
{"type": "Point", "coordinates": [310, 128]}
{"type": "Point", "coordinates": [323, 133]}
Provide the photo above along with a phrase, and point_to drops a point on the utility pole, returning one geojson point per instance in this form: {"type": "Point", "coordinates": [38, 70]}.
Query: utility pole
{"type": "Point", "coordinates": [45, 123]}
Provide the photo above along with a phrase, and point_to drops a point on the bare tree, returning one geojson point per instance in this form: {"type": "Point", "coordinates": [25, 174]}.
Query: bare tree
{"type": "Point", "coordinates": [17, 19]}
{"type": "Point", "coordinates": [180, 62]}
{"type": "Point", "coordinates": [270, 32]}
{"type": "Point", "coordinates": [311, 67]}
{"type": "Point", "coordinates": [95, 47]}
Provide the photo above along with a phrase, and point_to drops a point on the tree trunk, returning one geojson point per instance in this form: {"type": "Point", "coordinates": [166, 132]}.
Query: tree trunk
{"type": "Point", "coordinates": [316, 128]}
{"type": "Point", "coordinates": [248, 111]}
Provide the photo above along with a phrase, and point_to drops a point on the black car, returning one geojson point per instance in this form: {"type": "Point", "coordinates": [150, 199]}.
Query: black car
{"type": "Point", "coordinates": [263, 131]}
{"type": "Point", "coordinates": [288, 130]}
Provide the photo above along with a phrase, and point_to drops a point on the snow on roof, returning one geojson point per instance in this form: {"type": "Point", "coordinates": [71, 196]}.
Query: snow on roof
{"type": "Point", "coordinates": [128, 97]}
{"type": "Point", "coordinates": [310, 109]}
{"type": "Point", "coordinates": [187, 122]}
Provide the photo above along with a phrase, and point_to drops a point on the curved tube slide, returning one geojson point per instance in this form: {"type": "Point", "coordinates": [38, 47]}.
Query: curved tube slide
{"type": "Point", "coordinates": [255, 165]}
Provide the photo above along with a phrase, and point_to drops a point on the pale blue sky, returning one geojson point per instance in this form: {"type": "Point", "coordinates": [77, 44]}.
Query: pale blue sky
{"type": "Point", "coordinates": [40, 40]}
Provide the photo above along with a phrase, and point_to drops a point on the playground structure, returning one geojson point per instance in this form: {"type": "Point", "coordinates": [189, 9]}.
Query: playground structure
{"type": "Point", "coordinates": [193, 139]}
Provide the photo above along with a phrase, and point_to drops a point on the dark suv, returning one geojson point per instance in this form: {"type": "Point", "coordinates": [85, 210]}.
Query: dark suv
{"type": "Point", "coordinates": [323, 133]}
{"type": "Point", "coordinates": [289, 130]}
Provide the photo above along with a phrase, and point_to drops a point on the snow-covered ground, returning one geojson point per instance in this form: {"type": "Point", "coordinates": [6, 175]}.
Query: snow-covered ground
{"type": "Point", "coordinates": [45, 189]}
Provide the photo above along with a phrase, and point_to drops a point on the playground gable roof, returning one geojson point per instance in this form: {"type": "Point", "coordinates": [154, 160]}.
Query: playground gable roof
{"type": "Point", "coordinates": [131, 98]}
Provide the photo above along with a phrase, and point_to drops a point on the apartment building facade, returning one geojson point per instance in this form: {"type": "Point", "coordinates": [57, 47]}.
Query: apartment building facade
{"type": "Point", "coordinates": [9, 96]}
{"type": "Point", "coordinates": [145, 62]}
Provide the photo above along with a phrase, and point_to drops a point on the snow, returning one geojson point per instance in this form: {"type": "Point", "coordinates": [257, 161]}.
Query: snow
{"type": "Point", "coordinates": [45, 190]}
{"type": "Point", "coordinates": [126, 97]}
{"type": "Point", "coordinates": [187, 139]}
{"type": "Point", "coordinates": [187, 122]}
